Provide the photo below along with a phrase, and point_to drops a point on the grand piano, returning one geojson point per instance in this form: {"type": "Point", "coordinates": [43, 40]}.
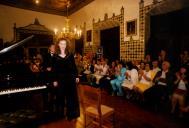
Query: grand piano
{"type": "Point", "coordinates": [21, 95]}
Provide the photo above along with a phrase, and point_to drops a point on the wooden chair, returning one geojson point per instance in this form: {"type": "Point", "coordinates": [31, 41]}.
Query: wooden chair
{"type": "Point", "coordinates": [103, 116]}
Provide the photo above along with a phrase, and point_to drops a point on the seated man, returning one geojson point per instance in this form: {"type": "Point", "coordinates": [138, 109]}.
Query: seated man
{"type": "Point", "coordinates": [117, 82]}
{"type": "Point", "coordinates": [161, 90]}
{"type": "Point", "coordinates": [180, 90]}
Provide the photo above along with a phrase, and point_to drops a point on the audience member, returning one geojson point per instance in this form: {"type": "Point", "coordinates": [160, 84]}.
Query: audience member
{"type": "Point", "coordinates": [161, 90]}
{"type": "Point", "coordinates": [147, 59]}
{"type": "Point", "coordinates": [180, 90]}
{"type": "Point", "coordinates": [117, 82]}
{"type": "Point", "coordinates": [131, 80]}
{"type": "Point", "coordinates": [155, 67]}
{"type": "Point", "coordinates": [145, 79]}
{"type": "Point", "coordinates": [162, 57]}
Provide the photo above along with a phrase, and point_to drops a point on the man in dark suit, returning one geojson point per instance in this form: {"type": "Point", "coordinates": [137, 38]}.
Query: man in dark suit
{"type": "Point", "coordinates": [163, 83]}
{"type": "Point", "coordinates": [48, 58]}
{"type": "Point", "coordinates": [50, 96]}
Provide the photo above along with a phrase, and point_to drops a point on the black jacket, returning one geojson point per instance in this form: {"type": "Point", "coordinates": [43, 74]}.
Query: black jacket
{"type": "Point", "coordinates": [168, 80]}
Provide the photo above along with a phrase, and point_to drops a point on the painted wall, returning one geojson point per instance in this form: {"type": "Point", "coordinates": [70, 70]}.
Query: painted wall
{"type": "Point", "coordinates": [11, 15]}
{"type": "Point", "coordinates": [98, 8]}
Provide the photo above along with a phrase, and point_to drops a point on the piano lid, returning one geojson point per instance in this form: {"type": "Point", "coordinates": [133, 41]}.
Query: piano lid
{"type": "Point", "coordinates": [15, 45]}
{"type": "Point", "coordinates": [13, 72]}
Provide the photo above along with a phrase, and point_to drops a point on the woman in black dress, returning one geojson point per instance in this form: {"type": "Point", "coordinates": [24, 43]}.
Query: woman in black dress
{"type": "Point", "coordinates": [66, 77]}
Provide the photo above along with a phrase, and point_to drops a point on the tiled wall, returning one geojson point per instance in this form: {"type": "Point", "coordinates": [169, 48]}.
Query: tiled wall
{"type": "Point", "coordinates": [113, 21]}
{"type": "Point", "coordinates": [131, 49]}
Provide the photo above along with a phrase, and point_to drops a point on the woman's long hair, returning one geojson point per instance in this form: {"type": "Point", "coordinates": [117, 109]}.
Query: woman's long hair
{"type": "Point", "coordinates": [67, 50]}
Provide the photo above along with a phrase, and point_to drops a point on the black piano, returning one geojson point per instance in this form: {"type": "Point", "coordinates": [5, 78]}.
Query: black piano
{"type": "Point", "coordinates": [21, 94]}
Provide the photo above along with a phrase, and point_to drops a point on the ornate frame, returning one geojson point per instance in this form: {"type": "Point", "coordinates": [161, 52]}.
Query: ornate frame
{"type": "Point", "coordinates": [131, 27]}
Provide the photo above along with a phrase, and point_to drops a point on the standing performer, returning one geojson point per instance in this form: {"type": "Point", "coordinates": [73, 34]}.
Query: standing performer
{"type": "Point", "coordinates": [66, 77]}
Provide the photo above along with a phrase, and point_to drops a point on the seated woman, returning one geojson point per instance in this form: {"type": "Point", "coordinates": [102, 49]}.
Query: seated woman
{"type": "Point", "coordinates": [155, 67]}
{"type": "Point", "coordinates": [101, 72]}
{"type": "Point", "coordinates": [84, 64]}
{"type": "Point", "coordinates": [97, 67]}
{"type": "Point", "coordinates": [92, 66]}
{"type": "Point", "coordinates": [131, 80]}
{"type": "Point", "coordinates": [36, 69]}
{"type": "Point", "coordinates": [79, 65]}
{"type": "Point", "coordinates": [181, 89]}
{"type": "Point", "coordinates": [131, 77]}
{"type": "Point", "coordinates": [35, 66]}
{"type": "Point", "coordinates": [117, 82]}
{"type": "Point", "coordinates": [145, 79]}
{"type": "Point", "coordinates": [112, 70]}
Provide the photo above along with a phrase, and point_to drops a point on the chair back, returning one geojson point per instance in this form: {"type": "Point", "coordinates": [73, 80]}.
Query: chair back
{"type": "Point", "coordinates": [90, 100]}
{"type": "Point", "coordinates": [90, 96]}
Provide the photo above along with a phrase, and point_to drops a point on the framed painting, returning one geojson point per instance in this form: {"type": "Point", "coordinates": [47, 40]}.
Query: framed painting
{"type": "Point", "coordinates": [131, 27]}
{"type": "Point", "coordinates": [99, 56]}
{"type": "Point", "coordinates": [100, 50]}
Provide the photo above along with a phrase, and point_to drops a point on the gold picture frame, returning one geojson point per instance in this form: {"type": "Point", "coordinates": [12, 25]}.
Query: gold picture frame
{"type": "Point", "coordinates": [131, 27]}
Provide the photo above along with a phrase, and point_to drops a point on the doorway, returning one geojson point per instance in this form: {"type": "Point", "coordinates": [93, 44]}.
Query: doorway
{"type": "Point", "coordinates": [79, 46]}
{"type": "Point", "coordinates": [170, 32]}
{"type": "Point", "coordinates": [110, 42]}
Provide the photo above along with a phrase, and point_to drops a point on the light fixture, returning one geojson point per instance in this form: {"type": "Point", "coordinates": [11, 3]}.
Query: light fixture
{"type": "Point", "coordinates": [66, 31]}
{"type": "Point", "coordinates": [37, 2]}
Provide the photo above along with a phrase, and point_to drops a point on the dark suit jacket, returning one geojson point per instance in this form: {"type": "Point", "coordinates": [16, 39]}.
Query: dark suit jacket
{"type": "Point", "coordinates": [168, 80]}
{"type": "Point", "coordinates": [48, 60]}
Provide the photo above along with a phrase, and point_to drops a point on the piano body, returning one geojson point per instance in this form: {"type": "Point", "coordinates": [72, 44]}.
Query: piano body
{"type": "Point", "coordinates": [21, 95]}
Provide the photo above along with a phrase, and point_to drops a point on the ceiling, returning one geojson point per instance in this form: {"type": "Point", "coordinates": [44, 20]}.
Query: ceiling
{"type": "Point", "coordinates": [57, 7]}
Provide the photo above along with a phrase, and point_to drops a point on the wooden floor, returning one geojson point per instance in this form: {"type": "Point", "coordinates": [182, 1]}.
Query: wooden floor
{"type": "Point", "coordinates": [128, 115]}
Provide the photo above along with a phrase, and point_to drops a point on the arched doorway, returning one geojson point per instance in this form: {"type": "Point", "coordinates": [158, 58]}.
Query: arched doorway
{"type": "Point", "coordinates": [110, 43]}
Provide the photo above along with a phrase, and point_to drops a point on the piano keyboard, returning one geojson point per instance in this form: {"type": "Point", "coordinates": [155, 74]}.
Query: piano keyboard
{"type": "Point", "coordinates": [11, 91]}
